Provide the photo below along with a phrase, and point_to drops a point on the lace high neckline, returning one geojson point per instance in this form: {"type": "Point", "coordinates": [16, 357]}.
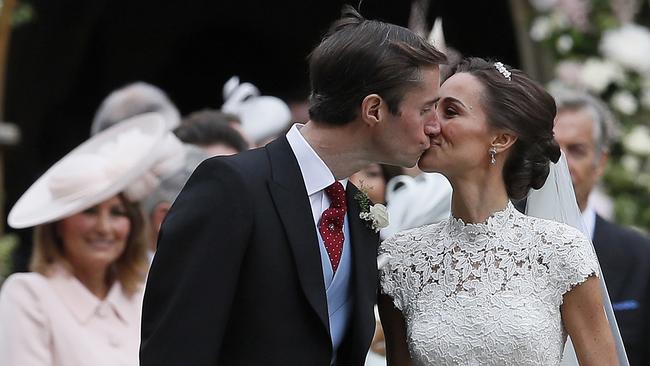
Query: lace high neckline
{"type": "Point", "coordinates": [495, 220]}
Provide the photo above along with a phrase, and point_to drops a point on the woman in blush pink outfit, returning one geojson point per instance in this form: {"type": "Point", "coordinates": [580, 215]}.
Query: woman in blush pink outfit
{"type": "Point", "coordinates": [81, 304]}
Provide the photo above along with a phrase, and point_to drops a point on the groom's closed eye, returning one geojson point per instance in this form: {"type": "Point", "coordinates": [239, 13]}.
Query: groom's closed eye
{"type": "Point", "coordinates": [428, 106]}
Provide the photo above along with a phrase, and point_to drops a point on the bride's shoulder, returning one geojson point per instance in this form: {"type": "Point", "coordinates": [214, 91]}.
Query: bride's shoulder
{"type": "Point", "coordinates": [553, 232]}
{"type": "Point", "coordinates": [413, 237]}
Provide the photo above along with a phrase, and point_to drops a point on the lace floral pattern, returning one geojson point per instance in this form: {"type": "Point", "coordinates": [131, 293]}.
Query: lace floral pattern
{"type": "Point", "coordinates": [486, 294]}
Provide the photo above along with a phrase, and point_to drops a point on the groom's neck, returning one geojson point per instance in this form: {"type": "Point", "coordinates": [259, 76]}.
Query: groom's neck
{"type": "Point", "coordinates": [342, 148]}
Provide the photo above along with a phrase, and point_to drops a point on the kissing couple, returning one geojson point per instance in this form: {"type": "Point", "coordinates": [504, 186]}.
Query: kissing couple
{"type": "Point", "coordinates": [269, 257]}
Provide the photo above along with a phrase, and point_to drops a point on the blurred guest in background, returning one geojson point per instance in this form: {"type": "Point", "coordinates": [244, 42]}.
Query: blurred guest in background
{"type": "Point", "coordinates": [157, 203]}
{"type": "Point", "coordinates": [131, 100]}
{"type": "Point", "coordinates": [414, 202]}
{"type": "Point", "coordinates": [165, 182]}
{"type": "Point", "coordinates": [81, 305]}
{"type": "Point", "coordinates": [373, 179]}
{"type": "Point", "coordinates": [263, 117]}
{"type": "Point", "coordinates": [584, 128]}
{"type": "Point", "coordinates": [212, 131]}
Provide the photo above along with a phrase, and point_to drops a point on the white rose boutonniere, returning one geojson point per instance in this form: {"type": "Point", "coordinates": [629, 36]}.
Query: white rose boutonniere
{"type": "Point", "coordinates": [375, 215]}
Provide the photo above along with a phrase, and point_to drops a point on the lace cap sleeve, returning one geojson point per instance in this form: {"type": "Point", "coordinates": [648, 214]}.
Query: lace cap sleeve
{"type": "Point", "coordinates": [391, 274]}
{"type": "Point", "coordinates": [571, 259]}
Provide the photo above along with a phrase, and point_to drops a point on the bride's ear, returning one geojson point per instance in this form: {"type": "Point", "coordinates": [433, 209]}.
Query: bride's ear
{"type": "Point", "coordinates": [371, 109]}
{"type": "Point", "coordinates": [503, 141]}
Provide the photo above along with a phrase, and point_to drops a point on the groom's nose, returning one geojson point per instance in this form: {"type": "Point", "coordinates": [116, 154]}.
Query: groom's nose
{"type": "Point", "coordinates": [432, 128]}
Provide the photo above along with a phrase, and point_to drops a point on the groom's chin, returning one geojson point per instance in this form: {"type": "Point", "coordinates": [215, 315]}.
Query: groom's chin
{"type": "Point", "coordinates": [426, 164]}
{"type": "Point", "coordinates": [404, 162]}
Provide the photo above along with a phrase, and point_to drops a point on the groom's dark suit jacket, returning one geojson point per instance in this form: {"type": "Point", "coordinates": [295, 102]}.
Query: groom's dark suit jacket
{"type": "Point", "coordinates": [624, 257]}
{"type": "Point", "coordinates": [237, 278]}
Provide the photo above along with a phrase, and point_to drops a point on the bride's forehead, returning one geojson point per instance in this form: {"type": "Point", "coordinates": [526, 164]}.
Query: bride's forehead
{"type": "Point", "coordinates": [461, 86]}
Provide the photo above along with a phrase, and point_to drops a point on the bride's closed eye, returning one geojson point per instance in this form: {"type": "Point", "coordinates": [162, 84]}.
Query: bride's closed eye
{"type": "Point", "coordinates": [447, 110]}
{"type": "Point", "coordinates": [450, 112]}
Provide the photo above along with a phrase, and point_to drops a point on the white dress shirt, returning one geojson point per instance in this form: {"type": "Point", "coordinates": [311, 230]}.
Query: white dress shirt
{"type": "Point", "coordinates": [315, 173]}
{"type": "Point", "coordinates": [317, 176]}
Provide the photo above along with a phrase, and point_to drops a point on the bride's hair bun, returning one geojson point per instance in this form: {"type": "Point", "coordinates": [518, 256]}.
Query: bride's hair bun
{"type": "Point", "coordinates": [551, 149]}
{"type": "Point", "coordinates": [514, 102]}
{"type": "Point", "coordinates": [528, 166]}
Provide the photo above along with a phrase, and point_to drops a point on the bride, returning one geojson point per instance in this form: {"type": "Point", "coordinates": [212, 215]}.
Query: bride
{"type": "Point", "coordinates": [491, 286]}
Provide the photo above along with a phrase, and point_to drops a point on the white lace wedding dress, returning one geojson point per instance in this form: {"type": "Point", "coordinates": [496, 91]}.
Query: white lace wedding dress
{"type": "Point", "coordinates": [486, 294]}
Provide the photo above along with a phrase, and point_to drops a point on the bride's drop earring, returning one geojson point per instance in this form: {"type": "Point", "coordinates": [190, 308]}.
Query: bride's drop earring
{"type": "Point", "coordinates": [493, 156]}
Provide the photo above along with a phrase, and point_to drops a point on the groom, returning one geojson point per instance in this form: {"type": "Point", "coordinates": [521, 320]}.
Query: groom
{"type": "Point", "coordinates": [263, 258]}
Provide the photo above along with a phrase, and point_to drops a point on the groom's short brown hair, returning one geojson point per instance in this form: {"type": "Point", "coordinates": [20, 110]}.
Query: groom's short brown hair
{"type": "Point", "coordinates": [358, 57]}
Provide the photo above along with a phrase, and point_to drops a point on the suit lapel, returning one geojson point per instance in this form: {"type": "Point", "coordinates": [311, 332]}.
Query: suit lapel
{"type": "Point", "coordinates": [292, 203]}
{"type": "Point", "coordinates": [615, 269]}
{"type": "Point", "coordinates": [364, 248]}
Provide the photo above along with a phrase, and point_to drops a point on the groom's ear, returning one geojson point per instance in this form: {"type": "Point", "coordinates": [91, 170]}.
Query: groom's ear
{"type": "Point", "coordinates": [371, 112]}
{"type": "Point", "coordinates": [503, 141]}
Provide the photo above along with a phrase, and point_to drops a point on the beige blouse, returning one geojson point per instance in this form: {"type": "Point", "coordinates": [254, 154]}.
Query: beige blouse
{"type": "Point", "coordinates": [55, 321]}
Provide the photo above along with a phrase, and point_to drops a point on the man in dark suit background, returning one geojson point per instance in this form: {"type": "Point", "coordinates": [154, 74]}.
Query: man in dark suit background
{"type": "Point", "coordinates": [264, 259]}
{"type": "Point", "coordinates": [583, 128]}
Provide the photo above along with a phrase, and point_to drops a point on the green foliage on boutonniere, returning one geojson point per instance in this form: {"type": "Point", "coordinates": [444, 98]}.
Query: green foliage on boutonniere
{"type": "Point", "coordinates": [363, 200]}
{"type": "Point", "coordinates": [375, 215]}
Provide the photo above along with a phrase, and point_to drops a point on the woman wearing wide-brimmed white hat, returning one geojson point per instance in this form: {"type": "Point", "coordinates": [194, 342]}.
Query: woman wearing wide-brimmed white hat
{"type": "Point", "coordinates": [81, 305]}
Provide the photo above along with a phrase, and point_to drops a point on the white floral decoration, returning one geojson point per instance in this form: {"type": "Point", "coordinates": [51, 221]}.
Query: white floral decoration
{"type": "Point", "coordinates": [564, 43]}
{"type": "Point", "coordinates": [629, 46]}
{"type": "Point", "coordinates": [625, 102]}
{"type": "Point", "coordinates": [375, 215]}
{"type": "Point", "coordinates": [541, 28]}
{"type": "Point", "coordinates": [598, 74]}
{"type": "Point", "coordinates": [638, 141]}
{"type": "Point", "coordinates": [631, 163]}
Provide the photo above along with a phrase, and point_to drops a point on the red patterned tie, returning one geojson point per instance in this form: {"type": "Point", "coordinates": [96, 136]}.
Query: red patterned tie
{"type": "Point", "coordinates": [331, 221]}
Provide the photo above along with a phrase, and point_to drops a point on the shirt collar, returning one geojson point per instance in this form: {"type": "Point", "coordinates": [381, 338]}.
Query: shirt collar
{"type": "Point", "coordinates": [315, 173]}
{"type": "Point", "coordinates": [84, 304]}
{"type": "Point", "coordinates": [589, 218]}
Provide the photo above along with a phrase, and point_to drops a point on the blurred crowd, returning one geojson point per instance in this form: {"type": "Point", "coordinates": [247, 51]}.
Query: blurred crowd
{"type": "Point", "coordinates": [101, 284]}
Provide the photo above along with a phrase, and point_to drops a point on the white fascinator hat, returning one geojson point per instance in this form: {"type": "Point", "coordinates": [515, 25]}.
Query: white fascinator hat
{"type": "Point", "coordinates": [261, 116]}
{"type": "Point", "coordinates": [413, 202]}
{"type": "Point", "coordinates": [96, 170]}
